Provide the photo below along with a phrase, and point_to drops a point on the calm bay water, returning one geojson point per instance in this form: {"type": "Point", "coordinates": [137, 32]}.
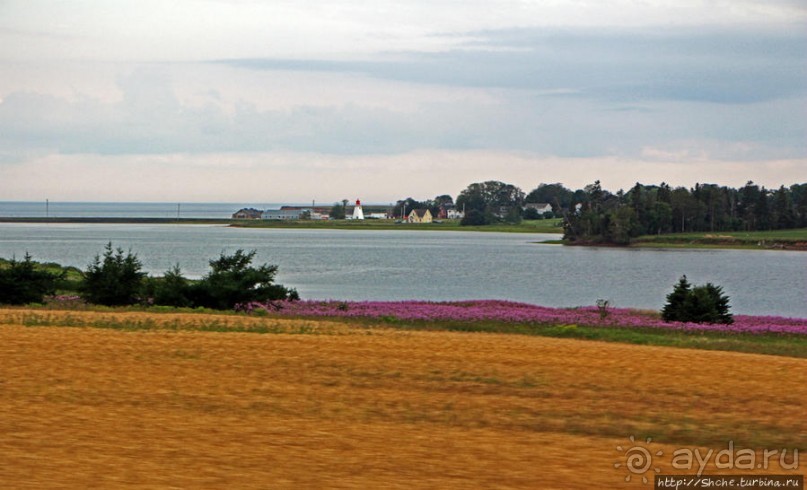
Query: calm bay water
{"type": "Point", "coordinates": [433, 265]}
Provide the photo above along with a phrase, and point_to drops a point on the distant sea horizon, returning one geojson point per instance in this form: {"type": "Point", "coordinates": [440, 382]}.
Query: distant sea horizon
{"type": "Point", "coordinates": [100, 209]}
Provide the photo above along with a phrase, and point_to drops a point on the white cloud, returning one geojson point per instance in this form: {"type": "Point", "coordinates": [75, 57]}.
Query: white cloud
{"type": "Point", "coordinates": [202, 108]}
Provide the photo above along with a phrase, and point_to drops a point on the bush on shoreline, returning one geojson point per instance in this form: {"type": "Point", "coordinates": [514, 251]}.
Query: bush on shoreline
{"type": "Point", "coordinates": [699, 304]}
{"type": "Point", "coordinates": [233, 281]}
{"type": "Point", "coordinates": [22, 282]}
{"type": "Point", "coordinates": [116, 279]}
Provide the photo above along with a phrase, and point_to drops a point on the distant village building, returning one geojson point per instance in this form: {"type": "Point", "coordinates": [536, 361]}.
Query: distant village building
{"type": "Point", "coordinates": [282, 214]}
{"type": "Point", "coordinates": [296, 212]}
{"type": "Point", "coordinates": [540, 207]}
{"type": "Point", "coordinates": [290, 213]}
{"type": "Point", "coordinates": [455, 214]}
{"type": "Point", "coordinates": [420, 216]}
{"type": "Point", "coordinates": [247, 213]}
{"type": "Point", "coordinates": [450, 211]}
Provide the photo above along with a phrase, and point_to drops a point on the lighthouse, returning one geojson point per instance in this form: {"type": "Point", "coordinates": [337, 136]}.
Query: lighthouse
{"type": "Point", "coordinates": [357, 212]}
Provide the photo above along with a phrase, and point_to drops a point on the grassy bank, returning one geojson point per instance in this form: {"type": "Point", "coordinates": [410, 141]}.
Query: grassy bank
{"type": "Point", "coordinates": [527, 226]}
{"type": "Point", "coordinates": [760, 240]}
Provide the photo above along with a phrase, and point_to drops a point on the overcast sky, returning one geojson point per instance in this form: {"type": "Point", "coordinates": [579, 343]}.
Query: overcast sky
{"type": "Point", "coordinates": [285, 101]}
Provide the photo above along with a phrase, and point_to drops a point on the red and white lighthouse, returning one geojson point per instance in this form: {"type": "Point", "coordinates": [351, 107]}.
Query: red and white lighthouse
{"type": "Point", "coordinates": [357, 211]}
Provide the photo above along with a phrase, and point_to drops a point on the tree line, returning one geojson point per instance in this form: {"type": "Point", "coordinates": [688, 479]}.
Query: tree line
{"type": "Point", "coordinates": [600, 216]}
{"type": "Point", "coordinates": [597, 215]}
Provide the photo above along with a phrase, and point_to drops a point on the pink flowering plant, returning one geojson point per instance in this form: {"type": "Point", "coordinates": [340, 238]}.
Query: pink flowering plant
{"type": "Point", "coordinates": [509, 312]}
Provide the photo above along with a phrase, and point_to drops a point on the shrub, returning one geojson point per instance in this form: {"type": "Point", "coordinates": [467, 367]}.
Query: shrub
{"type": "Point", "coordinates": [699, 304]}
{"type": "Point", "coordinates": [513, 215]}
{"type": "Point", "coordinates": [602, 308]}
{"type": "Point", "coordinates": [473, 217]}
{"type": "Point", "coordinates": [115, 281]}
{"type": "Point", "coordinates": [172, 289]}
{"type": "Point", "coordinates": [23, 282]}
{"type": "Point", "coordinates": [532, 213]}
{"type": "Point", "coordinates": [234, 281]}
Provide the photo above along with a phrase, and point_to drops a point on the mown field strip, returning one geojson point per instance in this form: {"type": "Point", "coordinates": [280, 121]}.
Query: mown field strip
{"type": "Point", "coordinates": [366, 408]}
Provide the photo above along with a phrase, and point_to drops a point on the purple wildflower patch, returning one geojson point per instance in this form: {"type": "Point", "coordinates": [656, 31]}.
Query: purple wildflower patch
{"type": "Point", "coordinates": [519, 313]}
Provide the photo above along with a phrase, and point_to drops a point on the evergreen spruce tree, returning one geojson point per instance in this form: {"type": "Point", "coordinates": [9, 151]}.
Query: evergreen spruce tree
{"type": "Point", "coordinates": [676, 305]}
{"type": "Point", "coordinates": [114, 281]}
{"type": "Point", "coordinates": [699, 304]}
{"type": "Point", "coordinates": [23, 282]}
{"type": "Point", "coordinates": [172, 289]}
{"type": "Point", "coordinates": [720, 303]}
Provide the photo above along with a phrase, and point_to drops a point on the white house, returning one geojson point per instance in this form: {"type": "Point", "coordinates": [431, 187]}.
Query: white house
{"type": "Point", "coordinates": [541, 207]}
{"type": "Point", "coordinates": [453, 213]}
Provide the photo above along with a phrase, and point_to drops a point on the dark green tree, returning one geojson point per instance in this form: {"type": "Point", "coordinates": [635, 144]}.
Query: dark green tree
{"type": "Point", "coordinates": [555, 194]}
{"type": "Point", "coordinates": [22, 282]}
{"type": "Point", "coordinates": [233, 280]}
{"type": "Point", "coordinates": [784, 214]}
{"type": "Point", "coordinates": [763, 217]}
{"type": "Point", "coordinates": [172, 289]}
{"type": "Point", "coordinates": [338, 210]}
{"type": "Point", "coordinates": [708, 304]}
{"type": "Point", "coordinates": [749, 199]}
{"type": "Point", "coordinates": [494, 200]}
{"type": "Point", "coordinates": [532, 213]}
{"type": "Point", "coordinates": [798, 193]}
{"type": "Point", "coordinates": [474, 217]}
{"type": "Point", "coordinates": [114, 281]}
{"type": "Point", "coordinates": [513, 215]}
{"type": "Point", "coordinates": [622, 225]}
{"type": "Point", "coordinates": [677, 301]}
{"type": "Point", "coordinates": [660, 218]}
{"type": "Point", "coordinates": [699, 304]}
{"type": "Point", "coordinates": [404, 207]}
{"type": "Point", "coordinates": [443, 200]}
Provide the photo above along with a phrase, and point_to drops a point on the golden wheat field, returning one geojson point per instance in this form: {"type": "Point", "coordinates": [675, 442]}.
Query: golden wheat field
{"type": "Point", "coordinates": [334, 405]}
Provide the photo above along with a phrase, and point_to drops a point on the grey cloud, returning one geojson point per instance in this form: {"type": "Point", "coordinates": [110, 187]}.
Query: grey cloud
{"type": "Point", "coordinates": [724, 66]}
{"type": "Point", "coordinates": [554, 126]}
{"type": "Point", "coordinates": [150, 120]}
{"type": "Point", "coordinates": [574, 107]}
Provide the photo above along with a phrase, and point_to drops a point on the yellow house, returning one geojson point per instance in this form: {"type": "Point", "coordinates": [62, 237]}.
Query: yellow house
{"type": "Point", "coordinates": [420, 216]}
